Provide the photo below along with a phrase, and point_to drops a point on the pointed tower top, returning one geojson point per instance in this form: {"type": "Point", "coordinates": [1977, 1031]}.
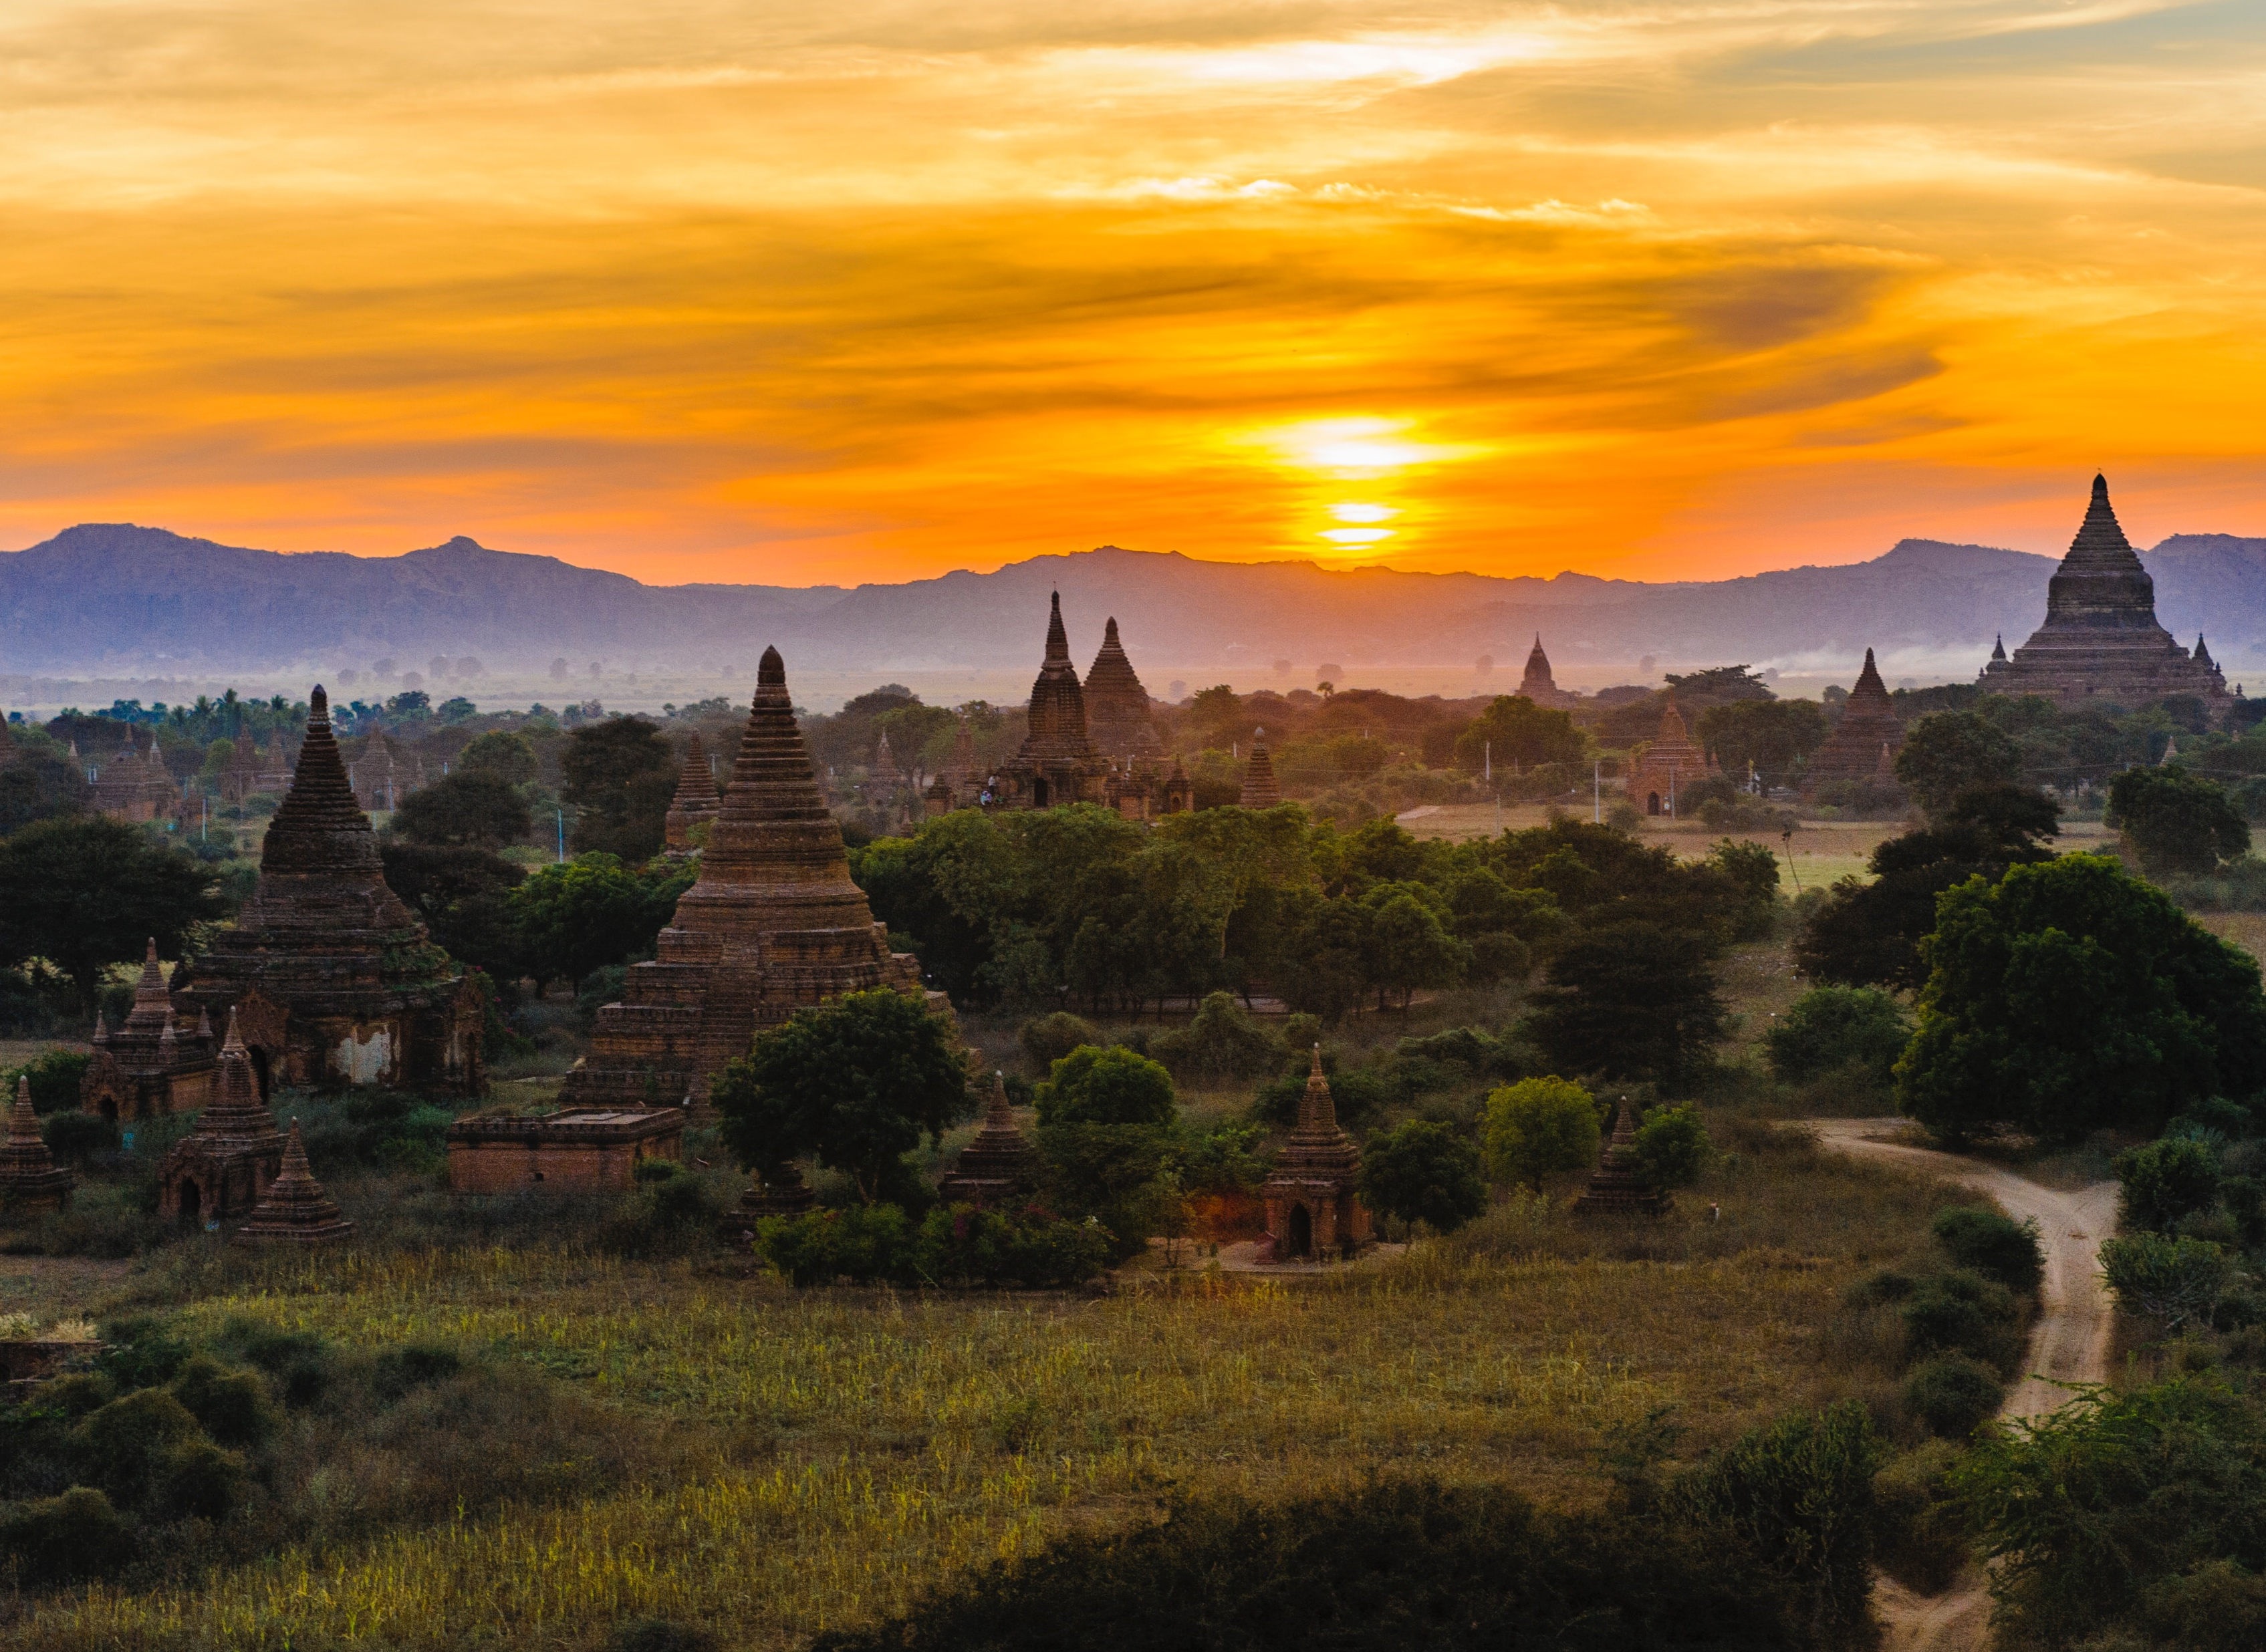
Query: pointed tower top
{"type": "Point", "coordinates": [23, 1119]}
{"type": "Point", "coordinates": [1318, 1109]}
{"type": "Point", "coordinates": [1110, 632]}
{"type": "Point", "coordinates": [1998, 647]}
{"type": "Point", "coordinates": [152, 1014]}
{"type": "Point", "coordinates": [1057, 639]}
{"type": "Point", "coordinates": [772, 672]}
{"type": "Point", "coordinates": [318, 828]}
{"type": "Point", "coordinates": [294, 1210]}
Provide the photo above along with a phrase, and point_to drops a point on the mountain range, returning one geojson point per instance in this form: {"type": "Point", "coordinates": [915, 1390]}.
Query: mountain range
{"type": "Point", "coordinates": [114, 599]}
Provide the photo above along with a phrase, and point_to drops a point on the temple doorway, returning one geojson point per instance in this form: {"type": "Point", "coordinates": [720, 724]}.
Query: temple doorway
{"type": "Point", "coordinates": [192, 1205]}
{"type": "Point", "coordinates": [1652, 802]}
{"type": "Point", "coordinates": [1038, 794]}
{"type": "Point", "coordinates": [1301, 1234]}
{"type": "Point", "coordinates": [259, 1070]}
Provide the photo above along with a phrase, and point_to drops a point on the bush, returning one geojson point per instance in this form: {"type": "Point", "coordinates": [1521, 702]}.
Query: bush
{"type": "Point", "coordinates": [1047, 1040]}
{"type": "Point", "coordinates": [231, 1405]}
{"type": "Point", "coordinates": [1539, 1127]}
{"type": "Point", "coordinates": [960, 1244]}
{"type": "Point", "coordinates": [1961, 1312]}
{"type": "Point", "coordinates": [121, 1445]}
{"type": "Point", "coordinates": [68, 1538]}
{"type": "Point", "coordinates": [1920, 1543]}
{"type": "Point", "coordinates": [1379, 1569]}
{"type": "Point", "coordinates": [2164, 1180]}
{"type": "Point", "coordinates": [1831, 1028]}
{"type": "Point", "coordinates": [2177, 1281]}
{"type": "Point", "coordinates": [1953, 1394]}
{"type": "Point", "coordinates": [863, 1243]}
{"type": "Point", "coordinates": [1672, 1147]}
{"type": "Point", "coordinates": [1223, 1041]}
{"type": "Point", "coordinates": [1423, 1171]}
{"type": "Point", "coordinates": [196, 1479]}
{"type": "Point", "coordinates": [1108, 1086]}
{"type": "Point", "coordinates": [75, 1138]}
{"type": "Point", "coordinates": [1993, 1245]}
{"type": "Point", "coordinates": [55, 1075]}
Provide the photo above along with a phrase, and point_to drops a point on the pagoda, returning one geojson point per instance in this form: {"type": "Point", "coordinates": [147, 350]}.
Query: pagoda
{"type": "Point", "coordinates": [150, 1067]}
{"type": "Point", "coordinates": [1669, 765]}
{"type": "Point", "coordinates": [30, 1180]}
{"type": "Point", "coordinates": [1117, 707]}
{"type": "Point", "coordinates": [329, 976]}
{"type": "Point", "coordinates": [1538, 684]}
{"type": "Point", "coordinates": [2102, 644]}
{"type": "Point", "coordinates": [1868, 728]}
{"type": "Point", "coordinates": [1057, 762]}
{"type": "Point", "coordinates": [696, 800]}
{"type": "Point", "coordinates": [999, 1166]}
{"type": "Point", "coordinates": [133, 788]}
{"type": "Point", "coordinates": [1615, 1188]}
{"type": "Point", "coordinates": [1259, 788]}
{"type": "Point", "coordinates": [221, 1169]}
{"type": "Point", "coordinates": [294, 1210]}
{"type": "Point", "coordinates": [1311, 1208]}
{"type": "Point", "coordinates": [773, 924]}
{"type": "Point", "coordinates": [959, 783]}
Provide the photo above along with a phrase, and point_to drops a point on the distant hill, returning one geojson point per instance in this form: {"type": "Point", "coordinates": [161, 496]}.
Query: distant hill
{"type": "Point", "coordinates": [114, 599]}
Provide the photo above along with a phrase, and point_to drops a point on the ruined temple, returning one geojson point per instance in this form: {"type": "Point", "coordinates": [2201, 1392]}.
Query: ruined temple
{"type": "Point", "coordinates": [999, 1166]}
{"type": "Point", "coordinates": [1057, 762]}
{"type": "Point", "coordinates": [220, 1170]}
{"type": "Point", "coordinates": [151, 1066]}
{"type": "Point", "coordinates": [2101, 643]}
{"type": "Point", "coordinates": [1538, 684]}
{"type": "Point", "coordinates": [379, 782]}
{"type": "Point", "coordinates": [1310, 1205]}
{"type": "Point", "coordinates": [329, 976]}
{"type": "Point", "coordinates": [696, 800]}
{"type": "Point", "coordinates": [1259, 788]}
{"type": "Point", "coordinates": [772, 923]}
{"type": "Point", "coordinates": [1867, 736]}
{"type": "Point", "coordinates": [1667, 765]}
{"type": "Point", "coordinates": [30, 1180]}
{"type": "Point", "coordinates": [294, 1210]}
{"type": "Point", "coordinates": [133, 788]}
{"type": "Point", "coordinates": [1615, 1188]}
{"type": "Point", "coordinates": [1117, 707]}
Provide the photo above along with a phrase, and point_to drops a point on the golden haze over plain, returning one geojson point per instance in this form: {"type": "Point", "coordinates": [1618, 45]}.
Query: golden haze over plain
{"type": "Point", "coordinates": [867, 290]}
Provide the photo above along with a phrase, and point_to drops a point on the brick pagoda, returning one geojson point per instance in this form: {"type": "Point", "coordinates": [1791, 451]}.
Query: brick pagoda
{"type": "Point", "coordinates": [1117, 707]}
{"type": "Point", "coordinates": [2102, 644]}
{"type": "Point", "coordinates": [150, 1067]}
{"type": "Point", "coordinates": [1260, 790]}
{"type": "Point", "coordinates": [1309, 1196]}
{"type": "Point", "coordinates": [1669, 765]}
{"type": "Point", "coordinates": [1869, 725]}
{"type": "Point", "coordinates": [1538, 684]}
{"type": "Point", "coordinates": [1057, 762]}
{"type": "Point", "coordinates": [1614, 1189]}
{"type": "Point", "coordinates": [573, 1151]}
{"type": "Point", "coordinates": [773, 924]}
{"type": "Point", "coordinates": [221, 1169]}
{"type": "Point", "coordinates": [29, 1179]}
{"type": "Point", "coordinates": [696, 800]}
{"type": "Point", "coordinates": [295, 1210]}
{"type": "Point", "coordinates": [131, 788]}
{"type": "Point", "coordinates": [999, 1166]}
{"type": "Point", "coordinates": [329, 976]}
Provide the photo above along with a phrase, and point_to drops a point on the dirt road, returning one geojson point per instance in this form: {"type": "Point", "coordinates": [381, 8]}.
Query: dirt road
{"type": "Point", "coordinates": [2070, 1342]}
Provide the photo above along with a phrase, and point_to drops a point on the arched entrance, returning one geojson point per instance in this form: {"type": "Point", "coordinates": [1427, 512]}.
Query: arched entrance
{"type": "Point", "coordinates": [1038, 794]}
{"type": "Point", "coordinates": [193, 1203]}
{"type": "Point", "coordinates": [1652, 802]}
{"type": "Point", "coordinates": [259, 1070]}
{"type": "Point", "coordinates": [1300, 1237]}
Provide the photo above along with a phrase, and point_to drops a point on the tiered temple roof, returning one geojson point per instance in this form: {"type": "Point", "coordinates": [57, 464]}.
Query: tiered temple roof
{"type": "Point", "coordinates": [1116, 705]}
{"type": "Point", "coordinates": [294, 1210]}
{"type": "Point", "coordinates": [132, 787]}
{"type": "Point", "coordinates": [1867, 727]}
{"type": "Point", "coordinates": [1615, 1188]}
{"type": "Point", "coordinates": [2101, 643]}
{"type": "Point", "coordinates": [220, 1170]}
{"type": "Point", "coordinates": [1310, 1205]}
{"type": "Point", "coordinates": [696, 800]}
{"type": "Point", "coordinates": [1538, 684]}
{"type": "Point", "coordinates": [30, 1180]}
{"type": "Point", "coordinates": [773, 922]}
{"type": "Point", "coordinates": [150, 1067]}
{"type": "Point", "coordinates": [1669, 765]}
{"type": "Point", "coordinates": [999, 1165]}
{"type": "Point", "coordinates": [334, 978]}
{"type": "Point", "coordinates": [1057, 762]}
{"type": "Point", "coordinates": [1261, 789]}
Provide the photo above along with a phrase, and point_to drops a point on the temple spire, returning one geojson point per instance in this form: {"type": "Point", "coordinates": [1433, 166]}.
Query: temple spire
{"type": "Point", "coordinates": [1057, 639]}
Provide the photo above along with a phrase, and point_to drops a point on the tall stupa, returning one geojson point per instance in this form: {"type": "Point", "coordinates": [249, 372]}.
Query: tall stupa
{"type": "Point", "coordinates": [2102, 644]}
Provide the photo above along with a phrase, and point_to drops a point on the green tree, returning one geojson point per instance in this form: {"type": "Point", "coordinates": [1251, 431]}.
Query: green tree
{"type": "Point", "coordinates": [39, 783]}
{"type": "Point", "coordinates": [503, 756]}
{"type": "Point", "coordinates": [1116, 1085]}
{"type": "Point", "coordinates": [620, 776]}
{"type": "Point", "coordinates": [1537, 1128]}
{"type": "Point", "coordinates": [1630, 1000]}
{"type": "Point", "coordinates": [464, 810]}
{"type": "Point", "coordinates": [1109, 1133]}
{"type": "Point", "coordinates": [854, 1084]}
{"type": "Point", "coordinates": [2174, 821]}
{"type": "Point", "coordinates": [87, 892]}
{"type": "Point", "coordinates": [1409, 948]}
{"type": "Point", "coordinates": [590, 911]}
{"type": "Point", "coordinates": [465, 896]}
{"type": "Point", "coordinates": [1515, 729]}
{"type": "Point", "coordinates": [1422, 1171]}
{"type": "Point", "coordinates": [1672, 1147]}
{"type": "Point", "coordinates": [1828, 1029]}
{"type": "Point", "coordinates": [2174, 1282]}
{"type": "Point", "coordinates": [1776, 737]}
{"type": "Point", "coordinates": [2070, 998]}
{"type": "Point", "coordinates": [2163, 1180]}
{"type": "Point", "coordinates": [1947, 753]}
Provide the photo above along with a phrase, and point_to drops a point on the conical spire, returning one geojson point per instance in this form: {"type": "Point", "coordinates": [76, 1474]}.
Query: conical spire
{"type": "Point", "coordinates": [1116, 705]}
{"type": "Point", "coordinates": [1056, 726]}
{"type": "Point", "coordinates": [23, 1119]}
{"type": "Point", "coordinates": [1318, 1109]}
{"type": "Point", "coordinates": [1316, 1147]}
{"type": "Point", "coordinates": [961, 771]}
{"type": "Point", "coordinates": [1615, 1188]}
{"type": "Point", "coordinates": [235, 1111]}
{"type": "Point", "coordinates": [153, 1009]}
{"type": "Point", "coordinates": [999, 1163]}
{"type": "Point", "coordinates": [294, 1210]}
{"type": "Point", "coordinates": [1057, 640]}
{"type": "Point", "coordinates": [318, 828]}
{"type": "Point", "coordinates": [1998, 647]}
{"type": "Point", "coordinates": [2202, 655]}
{"type": "Point", "coordinates": [1259, 788]}
{"type": "Point", "coordinates": [696, 786]}
{"type": "Point", "coordinates": [29, 1179]}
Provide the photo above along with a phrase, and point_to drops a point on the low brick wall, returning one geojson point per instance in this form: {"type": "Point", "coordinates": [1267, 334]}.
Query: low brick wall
{"type": "Point", "coordinates": [574, 1152]}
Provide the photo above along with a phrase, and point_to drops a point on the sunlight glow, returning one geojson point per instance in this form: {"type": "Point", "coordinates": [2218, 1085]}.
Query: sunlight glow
{"type": "Point", "coordinates": [1364, 513]}
{"type": "Point", "coordinates": [1356, 536]}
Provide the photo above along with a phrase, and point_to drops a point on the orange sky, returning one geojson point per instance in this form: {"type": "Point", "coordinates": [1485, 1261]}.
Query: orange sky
{"type": "Point", "coordinates": [796, 293]}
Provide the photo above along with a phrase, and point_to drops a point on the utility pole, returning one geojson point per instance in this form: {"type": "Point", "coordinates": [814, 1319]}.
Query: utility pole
{"type": "Point", "coordinates": [1487, 760]}
{"type": "Point", "coordinates": [562, 836]}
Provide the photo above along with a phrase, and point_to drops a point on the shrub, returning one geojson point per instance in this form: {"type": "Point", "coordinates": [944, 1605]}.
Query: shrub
{"type": "Point", "coordinates": [960, 1244]}
{"type": "Point", "coordinates": [1953, 1394]}
{"type": "Point", "coordinates": [55, 1075]}
{"type": "Point", "coordinates": [404, 1369]}
{"type": "Point", "coordinates": [1993, 1244]}
{"type": "Point", "coordinates": [64, 1539]}
{"type": "Point", "coordinates": [75, 1138]}
{"type": "Point", "coordinates": [1222, 1041]}
{"type": "Point", "coordinates": [232, 1405]}
{"type": "Point", "coordinates": [299, 1364]}
{"type": "Point", "coordinates": [1920, 1542]}
{"type": "Point", "coordinates": [1423, 1171]}
{"type": "Point", "coordinates": [2178, 1280]}
{"type": "Point", "coordinates": [2166, 1179]}
{"type": "Point", "coordinates": [1960, 1312]}
{"type": "Point", "coordinates": [121, 1445]}
{"type": "Point", "coordinates": [1672, 1147]}
{"type": "Point", "coordinates": [1831, 1028]}
{"type": "Point", "coordinates": [863, 1243]}
{"type": "Point", "coordinates": [1047, 1040]}
{"type": "Point", "coordinates": [1539, 1127]}
{"type": "Point", "coordinates": [1106, 1086]}
{"type": "Point", "coordinates": [196, 1479]}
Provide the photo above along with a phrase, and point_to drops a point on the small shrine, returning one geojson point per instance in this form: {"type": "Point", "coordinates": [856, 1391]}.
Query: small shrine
{"type": "Point", "coordinates": [1311, 1208]}
{"type": "Point", "coordinates": [1261, 789]}
{"type": "Point", "coordinates": [697, 799]}
{"type": "Point", "coordinates": [29, 1179]}
{"type": "Point", "coordinates": [1670, 763]}
{"type": "Point", "coordinates": [131, 788]}
{"type": "Point", "coordinates": [1538, 684]}
{"type": "Point", "coordinates": [221, 1169]}
{"type": "Point", "coordinates": [1864, 743]}
{"type": "Point", "coordinates": [1615, 1188]}
{"type": "Point", "coordinates": [150, 1067]}
{"type": "Point", "coordinates": [1057, 762]}
{"type": "Point", "coordinates": [296, 1210]}
{"type": "Point", "coordinates": [584, 1151]}
{"type": "Point", "coordinates": [1117, 711]}
{"type": "Point", "coordinates": [999, 1166]}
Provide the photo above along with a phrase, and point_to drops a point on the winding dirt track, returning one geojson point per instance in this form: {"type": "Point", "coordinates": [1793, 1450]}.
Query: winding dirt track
{"type": "Point", "coordinates": [2070, 1342]}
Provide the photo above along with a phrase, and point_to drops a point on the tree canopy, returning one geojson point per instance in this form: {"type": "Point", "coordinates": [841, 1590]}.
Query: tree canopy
{"type": "Point", "coordinates": [86, 892]}
{"type": "Point", "coordinates": [2175, 822]}
{"type": "Point", "coordinates": [1631, 1000]}
{"type": "Point", "coordinates": [1423, 1171]}
{"type": "Point", "coordinates": [1947, 753]}
{"type": "Point", "coordinates": [1537, 1128]}
{"type": "Point", "coordinates": [620, 776]}
{"type": "Point", "coordinates": [469, 808]}
{"type": "Point", "coordinates": [1515, 729]}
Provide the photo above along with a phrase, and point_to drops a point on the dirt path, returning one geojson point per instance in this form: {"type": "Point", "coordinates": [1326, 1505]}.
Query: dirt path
{"type": "Point", "coordinates": [2070, 1342]}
